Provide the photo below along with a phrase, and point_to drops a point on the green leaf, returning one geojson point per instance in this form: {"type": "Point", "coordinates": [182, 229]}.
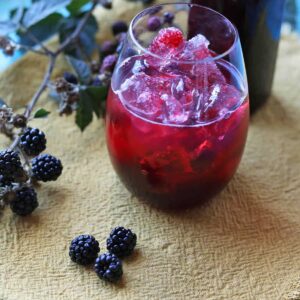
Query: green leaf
{"type": "Point", "coordinates": [42, 9]}
{"type": "Point", "coordinates": [41, 113]}
{"type": "Point", "coordinates": [42, 30]}
{"type": "Point", "coordinates": [90, 99]}
{"type": "Point", "coordinates": [84, 112]}
{"type": "Point", "coordinates": [81, 68]}
{"type": "Point", "coordinates": [75, 6]}
{"type": "Point", "coordinates": [95, 95]}
{"type": "Point", "coordinates": [86, 41]}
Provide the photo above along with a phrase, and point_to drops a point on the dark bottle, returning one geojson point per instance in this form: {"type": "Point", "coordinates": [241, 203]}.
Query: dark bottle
{"type": "Point", "coordinates": [258, 23]}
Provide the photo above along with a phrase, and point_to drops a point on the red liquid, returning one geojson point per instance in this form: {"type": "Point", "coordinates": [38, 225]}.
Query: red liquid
{"type": "Point", "coordinates": [159, 146]}
{"type": "Point", "coordinates": [174, 166]}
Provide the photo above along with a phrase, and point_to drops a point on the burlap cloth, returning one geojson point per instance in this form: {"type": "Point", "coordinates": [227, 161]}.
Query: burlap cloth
{"type": "Point", "coordinates": [244, 245]}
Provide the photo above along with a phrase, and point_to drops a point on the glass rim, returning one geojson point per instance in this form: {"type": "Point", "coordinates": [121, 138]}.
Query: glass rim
{"type": "Point", "coordinates": [204, 60]}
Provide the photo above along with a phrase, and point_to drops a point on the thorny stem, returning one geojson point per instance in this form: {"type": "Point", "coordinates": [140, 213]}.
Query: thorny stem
{"type": "Point", "coordinates": [52, 60]}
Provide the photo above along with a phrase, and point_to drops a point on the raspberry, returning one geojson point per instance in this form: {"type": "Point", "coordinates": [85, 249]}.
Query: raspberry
{"type": "Point", "coordinates": [121, 241]}
{"type": "Point", "coordinates": [108, 47]}
{"type": "Point", "coordinates": [153, 23]}
{"type": "Point", "coordinates": [70, 77]}
{"type": "Point", "coordinates": [46, 167]}
{"type": "Point", "coordinates": [84, 249]}
{"type": "Point", "coordinates": [118, 27]}
{"type": "Point", "coordinates": [169, 37]}
{"type": "Point", "coordinates": [25, 201]}
{"type": "Point", "coordinates": [33, 141]}
{"type": "Point", "coordinates": [109, 63]}
{"type": "Point", "coordinates": [108, 267]}
{"type": "Point", "coordinates": [168, 17]}
{"type": "Point", "coordinates": [10, 163]}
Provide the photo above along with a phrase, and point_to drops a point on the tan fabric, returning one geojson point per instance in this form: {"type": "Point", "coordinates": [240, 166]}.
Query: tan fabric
{"type": "Point", "coordinates": [244, 245]}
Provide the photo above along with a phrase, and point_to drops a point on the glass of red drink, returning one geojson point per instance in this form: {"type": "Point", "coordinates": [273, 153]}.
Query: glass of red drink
{"type": "Point", "coordinates": [178, 111]}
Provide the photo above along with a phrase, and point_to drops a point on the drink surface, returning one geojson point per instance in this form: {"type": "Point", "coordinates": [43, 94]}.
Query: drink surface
{"type": "Point", "coordinates": [176, 129]}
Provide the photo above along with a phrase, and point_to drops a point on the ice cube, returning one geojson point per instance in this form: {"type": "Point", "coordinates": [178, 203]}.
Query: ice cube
{"type": "Point", "coordinates": [141, 94]}
{"type": "Point", "coordinates": [222, 99]}
{"type": "Point", "coordinates": [207, 73]}
{"type": "Point", "coordinates": [174, 110]}
{"type": "Point", "coordinates": [196, 48]}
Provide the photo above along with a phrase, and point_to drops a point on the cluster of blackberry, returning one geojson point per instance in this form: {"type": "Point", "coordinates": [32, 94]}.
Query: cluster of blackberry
{"type": "Point", "coordinates": [121, 242]}
{"type": "Point", "coordinates": [16, 181]}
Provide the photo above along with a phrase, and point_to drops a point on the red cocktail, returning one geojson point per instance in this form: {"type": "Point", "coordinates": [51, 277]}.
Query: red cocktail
{"type": "Point", "coordinates": [177, 115]}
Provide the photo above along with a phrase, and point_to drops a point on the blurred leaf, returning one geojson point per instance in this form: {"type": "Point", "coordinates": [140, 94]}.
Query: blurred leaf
{"type": "Point", "coordinates": [2, 102]}
{"type": "Point", "coordinates": [7, 27]}
{"type": "Point", "coordinates": [84, 112]}
{"type": "Point", "coordinates": [90, 99]}
{"type": "Point", "coordinates": [17, 14]}
{"type": "Point", "coordinates": [75, 6]}
{"type": "Point", "coordinates": [81, 68]}
{"type": "Point", "coordinates": [95, 95]}
{"type": "Point", "coordinates": [42, 9]}
{"type": "Point", "coordinates": [42, 30]}
{"type": "Point", "coordinates": [86, 41]}
{"type": "Point", "coordinates": [13, 24]}
{"type": "Point", "coordinates": [41, 113]}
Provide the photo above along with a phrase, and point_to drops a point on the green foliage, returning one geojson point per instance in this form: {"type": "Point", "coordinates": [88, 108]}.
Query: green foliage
{"type": "Point", "coordinates": [42, 9]}
{"type": "Point", "coordinates": [43, 19]}
{"type": "Point", "coordinates": [41, 113]}
{"type": "Point", "coordinates": [81, 68]}
{"type": "Point", "coordinates": [41, 30]}
{"type": "Point", "coordinates": [90, 101]}
{"type": "Point", "coordinates": [76, 6]}
{"type": "Point", "coordinates": [86, 42]}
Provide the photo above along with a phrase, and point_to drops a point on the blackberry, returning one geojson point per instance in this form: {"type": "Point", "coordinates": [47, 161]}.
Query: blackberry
{"type": "Point", "coordinates": [46, 167]}
{"type": "Point", "coordinates": [25, 201]}
{"type": "Point", "coordinates": [108, 47]}
{"type": "Point", "coordinates": [108, 267]}
{"type": "Point", "coordinates": [121, 241]}
{"type": "Point", "coordinates": [33, 141]}
{"type": "Point", "coordinates": [153, 23]}
{"type": "Point", "coordinates": [109, 63]}
{"type": "Point", "coordinates": [5, 181]}
{"type": "Point", "coordinates": [118, 27]}
{"type": "Point", "coordinates": [107, 4]}
{"type": "Point", "coordinates": [10, 163]}
{"type": "Point", "coordinates": [97, 82]}
{"type": "Point", "coordinates": [168, 17]}
{"type": "Point", "coordinates": [70, 77]}
{"type": "Point", "coordinates": [84, 249]}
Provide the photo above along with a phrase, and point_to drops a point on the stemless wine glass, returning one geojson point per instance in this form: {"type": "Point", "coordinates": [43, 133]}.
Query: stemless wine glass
{"type": "Point", "coordinates": [178, 112]}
